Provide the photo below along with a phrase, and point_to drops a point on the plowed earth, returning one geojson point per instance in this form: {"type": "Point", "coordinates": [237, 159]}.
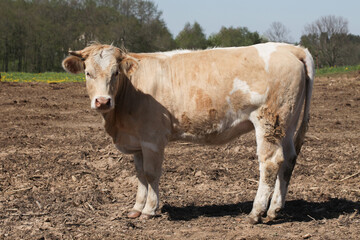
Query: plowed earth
{"type": "Point", "coordinates": [61, 177]}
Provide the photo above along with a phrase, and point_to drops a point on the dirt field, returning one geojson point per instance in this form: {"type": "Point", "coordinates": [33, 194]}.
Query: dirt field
{"type": "Point", "coordinates": [61, 177]}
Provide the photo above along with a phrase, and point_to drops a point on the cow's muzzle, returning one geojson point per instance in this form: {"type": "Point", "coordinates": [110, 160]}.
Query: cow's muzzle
{"type": "Point", "coordinates": [103, 103]}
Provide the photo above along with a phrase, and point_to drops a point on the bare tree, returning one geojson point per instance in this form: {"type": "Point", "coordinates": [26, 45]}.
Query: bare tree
{"type": "Point", "coordinates": [326, 38]}
{"type": "Point", "coordinates": [278, 32]}
{"type": "Point", "coordinates": [328, 24]}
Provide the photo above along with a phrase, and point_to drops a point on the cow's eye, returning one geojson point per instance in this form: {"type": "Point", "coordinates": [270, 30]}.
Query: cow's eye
{"type": "Point", "coordinates": [117, 73]}
{"type": "Point", "coordinates": [88, 74]}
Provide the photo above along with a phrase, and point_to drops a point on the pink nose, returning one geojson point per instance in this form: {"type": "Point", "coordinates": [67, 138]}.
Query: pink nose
{"type": "Point", "coordinates": [102, 103]}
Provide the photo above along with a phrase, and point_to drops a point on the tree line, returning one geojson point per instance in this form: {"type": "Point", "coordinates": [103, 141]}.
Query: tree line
{"type": "Point", "coordinates": [37, 34]}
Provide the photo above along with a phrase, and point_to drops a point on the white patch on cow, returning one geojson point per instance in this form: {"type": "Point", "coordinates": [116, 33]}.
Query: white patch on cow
{"type": "Point", "coordinates": [240, 85]}
{"type": "Point", "coordinates": [105, 58]}
{"type": "Point", "coordinates": [152, 146]}
{"type": "Point", "coordinates": [259, 130]}
{"type": "Point", "coordinates": [255, 97]}
{"type": "Point", "coordinates": [189, 137]}
{"type": "Point", "coordinates": [173, 53]}
{"type": "Point", "coordinates": [237, 121]}
{"type": "Point", "coordinates": [233, 117]}
{"type": "Point", "coordinates": [265, 51]}
{"type": "Point", "coordinates": [229, 102]}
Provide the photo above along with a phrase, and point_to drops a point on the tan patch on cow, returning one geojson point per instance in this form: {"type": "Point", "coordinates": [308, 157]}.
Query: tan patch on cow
{"type": "Point", "coordinates": [274, 126]}
{"type": "Point", "coordinates": [185, 122]}
{"type": "Point", "coordinates": [202, 100]}
{"type": "Point", "coordinates": [272, 159]}
{"type": "Point", "coordinates": [200, 126]}
{"type": "Point", "coordinates": [239, 100]}
{"type": "Point", "coordinates": [297, 51]}
{"type": "Point", "coordinates": [271, 115]}
{"type": "Point", "coordinates": [213, 115]}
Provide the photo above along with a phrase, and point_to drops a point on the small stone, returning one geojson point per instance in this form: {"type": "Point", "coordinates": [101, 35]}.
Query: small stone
{"type": "Point", "coordinates": [198, 174]}
{"type": "Point", "coordinates": [306, 236]}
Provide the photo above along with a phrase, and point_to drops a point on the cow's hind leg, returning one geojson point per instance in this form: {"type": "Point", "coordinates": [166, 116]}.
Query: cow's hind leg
{"type": "Point", "coordinates": [283, 179]}
{"type": "Point", "coordinates": [270, 155]}
{"type": "Point", "coordinates": [142, 190]}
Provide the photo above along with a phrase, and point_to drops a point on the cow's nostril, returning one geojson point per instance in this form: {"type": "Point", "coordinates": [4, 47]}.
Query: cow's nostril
{"type": "Point", "coordinates": [97, 103]}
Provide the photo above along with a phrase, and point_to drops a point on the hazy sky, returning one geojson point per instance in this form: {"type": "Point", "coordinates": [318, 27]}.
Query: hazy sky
{"type": "Point", "coordinates": [257, 15]}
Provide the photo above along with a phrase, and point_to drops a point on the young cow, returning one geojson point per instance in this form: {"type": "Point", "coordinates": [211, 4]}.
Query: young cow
{"type": "Point", "coordinates": [210, 96]}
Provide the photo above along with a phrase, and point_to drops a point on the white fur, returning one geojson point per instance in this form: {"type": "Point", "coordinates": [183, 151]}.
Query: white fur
{"type": "Point", "coordinates": [105, 58]}
{"type": "Point", "coordinates": [259, 131]}
{"type": "Point", "coordinates": [309, 62]}
{"type": "Point", "coordinates": [173, 53]}
{"type": "Point", "coordinates": [265, 51]}
{"type": "Point", "coordinates": [255, 97]}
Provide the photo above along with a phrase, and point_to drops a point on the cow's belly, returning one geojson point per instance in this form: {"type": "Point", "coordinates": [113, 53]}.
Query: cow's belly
{"type": "Point", "coordinates": [215, 126]}
{"type": "Point", "coordinates": [219, 134]}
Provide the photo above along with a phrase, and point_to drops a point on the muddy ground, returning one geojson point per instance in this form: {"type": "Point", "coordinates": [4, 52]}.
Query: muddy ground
{"type": "Point", "coordinates": [61, 177]}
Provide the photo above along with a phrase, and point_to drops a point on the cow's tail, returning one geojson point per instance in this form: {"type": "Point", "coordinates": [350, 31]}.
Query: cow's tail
{"type": "Point", "coordinates": [310, 73]}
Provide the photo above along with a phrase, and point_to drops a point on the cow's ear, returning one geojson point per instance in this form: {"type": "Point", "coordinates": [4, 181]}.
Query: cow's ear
{"type": "Point", "coordinates": [129, 65]}
{"type": "Point", "coordinates": [74, 64]}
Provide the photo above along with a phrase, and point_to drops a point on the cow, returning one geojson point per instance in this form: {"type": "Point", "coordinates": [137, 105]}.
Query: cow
{"type": "Point", "coordinates": [204, 96]}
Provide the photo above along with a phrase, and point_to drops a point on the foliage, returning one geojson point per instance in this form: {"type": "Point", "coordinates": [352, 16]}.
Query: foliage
{"type": "Point", "coordinates": [191, 37]}
{"type": "Point", "coordinates": [232, 37]}
{"type": "Point", "coordinates": [328, 40]}
{"type": "Point", "coordinates": [36, 34]}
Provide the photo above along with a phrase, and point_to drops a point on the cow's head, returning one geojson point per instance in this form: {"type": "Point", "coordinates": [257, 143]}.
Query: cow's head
{"type": "Point", "coordinates": [105, 68]}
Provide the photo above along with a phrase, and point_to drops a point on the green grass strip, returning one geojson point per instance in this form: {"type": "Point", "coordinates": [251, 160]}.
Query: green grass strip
{"type": "Point", "coordinates": [47, 77]}
{"type": "Point", "coordinates": [337, 70]}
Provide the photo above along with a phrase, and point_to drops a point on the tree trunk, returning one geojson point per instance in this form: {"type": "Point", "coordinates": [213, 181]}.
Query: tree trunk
{"type": "Point", "coordinates": [6, 58]}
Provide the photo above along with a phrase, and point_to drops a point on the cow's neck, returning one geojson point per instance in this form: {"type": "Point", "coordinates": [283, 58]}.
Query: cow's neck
{"type": "Point", "coordinates": [126, 104]}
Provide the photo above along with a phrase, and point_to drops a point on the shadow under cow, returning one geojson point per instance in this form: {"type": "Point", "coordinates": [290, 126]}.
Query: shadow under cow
{"type": "Point", "coordinates": [294, 211]}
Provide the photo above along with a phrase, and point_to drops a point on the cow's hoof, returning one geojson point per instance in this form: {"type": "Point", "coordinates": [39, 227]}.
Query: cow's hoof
{"type": "Point", "coordinates": [134, 214]}
{"type": "Point", "coordinates": [267, 219]}
{"type": "Point", "coordinates": [252, 220]}
{"type": "Point", "coordinates": [145, 216]}
{"type": "Point", "coordinates": [271, 215]}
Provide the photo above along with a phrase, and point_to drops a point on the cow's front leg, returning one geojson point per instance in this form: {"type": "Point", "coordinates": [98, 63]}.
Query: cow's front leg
{"type": "Point", "coordinates": [153, 158]}
{"type": "Point", "coordinates": [142, 190]}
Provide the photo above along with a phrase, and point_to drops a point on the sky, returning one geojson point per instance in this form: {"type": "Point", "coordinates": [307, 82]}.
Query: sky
{"type": "Point", "coordinates": [256, 15]}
